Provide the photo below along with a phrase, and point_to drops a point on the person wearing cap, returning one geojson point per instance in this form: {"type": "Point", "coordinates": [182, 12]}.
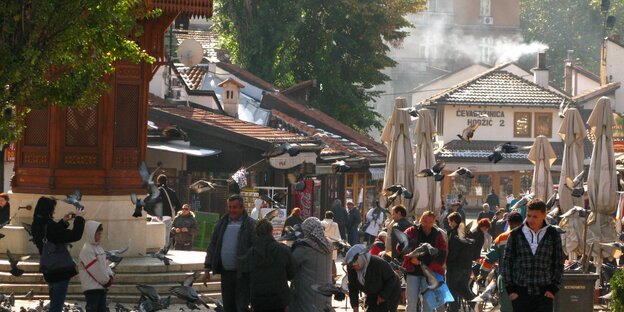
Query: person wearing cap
{"type": "Point", "coordinates": [455, 207]}
{"type": "Point", "coordinates": [532, 265]}
{"type": "Point", "coordinates": [374, 277]}
{"type": "Point", "coordinates": [379, 244]}
{"type": "Point", "coordinates": [184, 228]}
{"type": "Point", "coordinates": [353, 222]}
{"type": "Point", "coordinates": [495, 254]}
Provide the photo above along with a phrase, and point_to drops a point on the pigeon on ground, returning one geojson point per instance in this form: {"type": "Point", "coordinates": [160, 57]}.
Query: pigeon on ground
{"type": "Point", "coordinates": [120, 308]}
{"type": "Point", "coordinates": [576, 185]}
{"type": "Point", "coordinates": [340, 166]}
{"type": "Point", "coordinates": [201, 186]}
{"type": "Point", "coordinates": [462, 172]}
{"type": "Point", "coordinates": [188, 294]}
{"type": "Point", "coordinates": [468, 133]}
{"type": "Point", "coordinates": [435, 171]}
{"type": "Point", "coordinates": [217, 302]}
{"type": "Point", "coordinates": [280, 149]}
{"type": "Point", "coordinates": [74, 199]}
{"type": "Point", "coordinates": [13, 261]}
{"type": "Point", "coordinates": [162, 257]}
{"type": "Point", "coordinates": [148, 293]}
{"type": "Point", "coordinates": [189, 280]}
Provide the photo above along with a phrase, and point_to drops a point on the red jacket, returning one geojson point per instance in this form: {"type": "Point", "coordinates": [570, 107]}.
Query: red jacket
{"type": "Point", "coordinates": [436, 263]}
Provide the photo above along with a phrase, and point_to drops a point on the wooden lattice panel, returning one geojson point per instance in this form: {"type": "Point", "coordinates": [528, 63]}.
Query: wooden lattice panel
{"type": "Point", "coordinates": [81, 127]}
{"type": "Point", "coordinates": [125, 158]}
{"type": "Point", "coordinates": [80, 160]}
{"type": "Point", "coordinates": [34, 159]}
{"type": "Point", "coordinates": [36, 133]}
{"type": "Point", "coordinates": [126, 115]}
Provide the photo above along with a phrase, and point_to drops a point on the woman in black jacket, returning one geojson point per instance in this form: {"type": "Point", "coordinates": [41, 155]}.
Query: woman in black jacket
{"type": "Point", "coordinates": [458, 263]}
{"type": "Point", "coordinates": [271, 267]}
{"type": "Point", "coordinates": [56, 232]}
{"type": "Point", "coordinates": [373, 276]}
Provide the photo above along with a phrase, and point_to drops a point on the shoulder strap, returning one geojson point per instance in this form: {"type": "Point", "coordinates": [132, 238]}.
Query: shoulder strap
{"type": "Point", "coordinates": [86, 268]}
{"type": "Point", "coordinates": [164, 189]}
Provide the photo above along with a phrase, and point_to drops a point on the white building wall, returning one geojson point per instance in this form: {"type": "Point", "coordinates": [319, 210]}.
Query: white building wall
{"type": "Point", "coordinates": [498, 127]}
{"type": "Point", "coordinates": [168, 159]}
{"type": "Point", "coordinates": [8, 173]}
{"type": "Point", "coordinates": [157, 85]}
{"type": "Point", "coordinates": [584, 84]}
{"type": "Point", "coordinates": [615, 72]}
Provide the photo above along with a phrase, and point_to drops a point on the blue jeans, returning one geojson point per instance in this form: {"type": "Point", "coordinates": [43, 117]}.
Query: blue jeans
{"type": "Point", "coordinates": [415, 285]}
{"type": "Point", "coordinates": [57, 292]}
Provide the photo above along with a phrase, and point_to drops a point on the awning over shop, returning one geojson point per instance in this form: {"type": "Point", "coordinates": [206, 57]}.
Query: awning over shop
{"type": "Point", "coordinates": [286, 161]}
{"type": "Point", "coordinates": [183, 149]}
{"type": "Point", "coordinates": [377, 173]}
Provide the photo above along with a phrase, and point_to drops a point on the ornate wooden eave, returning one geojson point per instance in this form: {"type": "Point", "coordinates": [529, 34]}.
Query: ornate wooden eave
{"type": "Point", "coordinates": [193, 8]}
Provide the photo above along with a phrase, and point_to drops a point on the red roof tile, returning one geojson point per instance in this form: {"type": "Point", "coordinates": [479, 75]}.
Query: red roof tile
{"type": "Point", "coordinates": [247, 76]}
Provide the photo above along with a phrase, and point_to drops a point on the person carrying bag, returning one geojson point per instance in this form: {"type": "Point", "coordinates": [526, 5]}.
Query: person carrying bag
{"type": "Point", "coordinates": [50, 237]}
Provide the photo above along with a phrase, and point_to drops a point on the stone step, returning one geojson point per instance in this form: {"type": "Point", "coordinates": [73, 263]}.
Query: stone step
{"type": "Point", "coordinates": [120, 278]}
{"type": "Point", "coordinates": [119, 289]}
{"type": "Point", "coordinates": [130, 301]}
{"type": "Point", "coordinates": [132, 265]}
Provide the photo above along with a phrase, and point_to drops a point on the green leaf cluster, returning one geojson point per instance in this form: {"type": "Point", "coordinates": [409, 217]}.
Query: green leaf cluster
{"type": "Point", "coordinates": [343, 44]}
{"type": "Point", "coordinates": [568, 25]}
{"type": "Point", "coordinates": [57, 52]}
{"type": "Point", "coordinates": [617, 286]}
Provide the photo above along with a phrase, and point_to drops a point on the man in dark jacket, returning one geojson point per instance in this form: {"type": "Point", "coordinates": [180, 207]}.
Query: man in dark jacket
{"type": "Point", "coordinates": [232, 237]}
{"type": "Point", "coordinates": [455, 207]}
{"type": "Point", "coordinates": [399, 221]}
{"type": "Point", "coordinates": [353, 222]}
{"type": "Point", "coordinates": [493, 200]}
{"type": "Point", "coordinates": [272, 266]}
{"type": "Point", "coordinates": [184, 228]}
{"type": "Point", "coordinates": [340, 217]}
{"type": "Point", "coordinates": [533, 262]}
{"type": "Point", "coordinates": [170, 205]}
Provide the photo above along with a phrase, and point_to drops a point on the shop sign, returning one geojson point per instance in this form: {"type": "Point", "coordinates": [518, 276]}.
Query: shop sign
{"type": "Point", "coordinates": [482, 117]}
{"type": "Point", "coordinates": [304, 199]}
{"type": "Point", "coordinates": [10, 152]}
{"type": "Point", "coordinates": [285, 161]}
{"type": "Point", "coordinates": [618, 133]}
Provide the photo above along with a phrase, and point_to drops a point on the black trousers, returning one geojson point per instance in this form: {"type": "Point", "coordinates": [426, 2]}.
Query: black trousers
{"type": "Point", "coordinates": [96, 300]}
{"type": "Point", "coordinates": [532, 303]}
{"type": "Point", "coordinates": [235, 292]}
{"type": "Point", "coordinates": [457, 282]}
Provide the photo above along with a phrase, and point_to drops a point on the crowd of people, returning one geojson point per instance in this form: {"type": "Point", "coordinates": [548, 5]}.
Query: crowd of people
{"type": "Point", "coordinates": [259, 272]}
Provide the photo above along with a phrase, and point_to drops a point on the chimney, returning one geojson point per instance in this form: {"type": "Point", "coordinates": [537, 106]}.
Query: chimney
{"type": "Point", "coordinates": [567, 74]}
{"type": "Point", "coordinates": [230, 95]}
{"type": "Point", "coordinates": [540, 73]}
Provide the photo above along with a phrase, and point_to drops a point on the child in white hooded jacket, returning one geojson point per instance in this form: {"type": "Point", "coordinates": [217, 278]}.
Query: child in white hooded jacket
{"type": "Point", "coordinates": [95, 275]}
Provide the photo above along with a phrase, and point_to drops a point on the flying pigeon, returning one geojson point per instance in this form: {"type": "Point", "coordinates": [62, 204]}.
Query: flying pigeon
{"type": "Point", "coordinates": [563, 108]}
{"type": "Point", "coordinates": [412, 111]}
{"type": "Point", "coordinates": [468, 133]}
{"type": "Point", "coordinates": [74, 199]}
{"type": "Point", "coordinates": [488, 293]}
{"type": "Point", "coordinates": [13, 261]}
{"type": "Point", "coordinates": [280, 149]}
{"type": "Point", "coordinates": [201, 186]}
{"type": "Point", "coordinates": [552, 200]}
{"type": "Point", "coordinates": [340, 166]}
{"type": "Point", "coordinates": [576, 210]}
{"type": "Point", "coordinates": [327, 289]}
{"type": "Point", "coordinates": [432, 280]}
{"type": "Point", "coordinates": [403, 242]}
{"type": "Point", "coordinates": [396, 191]}
{"type": "Point", "coordinates": [148, 292]}
{"type": "Point", "coordinates": [272, 214]}
{"type": "Point", "coordinates": [423, 249]}
{"type": "Point", "coordinates": [292, 233]}
{"type": "Point", "coordinates": [435, 171]}
{"type": "Point", "coordinates": [505, 148]}
{"type": "Point", "coordinates": [114, 256]}
{"type": "Point", "coordinates": [272, 202]}
{"type": "Point", "coordinates": [619, 245]}
{"type": "Point", "coordinates": [28, 228]}
{"type": "Point", "coordinates": [340, 245]}
{"type": "Point", "coordinates": [462, 171]}
{"type": "Point", "coordinates": [152, 203]}
{"type": "Point", "coordinates": [523, 201]}
{"type": "Point", "coordinates": [576, 185]}
{"type": "Point", "coordinates": [175, 132]}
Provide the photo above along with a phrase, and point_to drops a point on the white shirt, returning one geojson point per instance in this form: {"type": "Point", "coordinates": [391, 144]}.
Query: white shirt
{"type": "Point", "coordinates": [534, 238]}
{"type": "Point", "coordinates": [374, 225]}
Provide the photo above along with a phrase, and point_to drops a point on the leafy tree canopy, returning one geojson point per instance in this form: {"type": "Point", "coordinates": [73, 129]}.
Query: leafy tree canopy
{"type": "Point", "coordinates": [568, 25]}
{"type": "Point", "coordinates": [343, 44]}
{"type": "Point", "coordinates": [56, 52]}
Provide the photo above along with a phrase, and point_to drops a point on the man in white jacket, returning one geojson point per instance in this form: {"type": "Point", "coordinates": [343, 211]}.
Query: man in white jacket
{"type": "Point", "coordinates": [95, 275]}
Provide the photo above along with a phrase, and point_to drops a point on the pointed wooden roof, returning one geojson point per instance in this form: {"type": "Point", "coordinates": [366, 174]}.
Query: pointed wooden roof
{"type": "Point", "coordinates": [194, 8]}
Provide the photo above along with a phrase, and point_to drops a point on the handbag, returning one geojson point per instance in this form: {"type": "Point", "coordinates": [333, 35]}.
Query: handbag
{"type": "Point", "coordinates": [55, 257]}
{"type": "Point", "coordinates": [435, 298]}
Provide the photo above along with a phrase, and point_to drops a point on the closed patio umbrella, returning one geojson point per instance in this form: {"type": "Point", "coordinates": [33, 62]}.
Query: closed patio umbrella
{"type": "Point", "coordinates": [400, 160]}
{"type": "Point", "coordinates": [542, 156]}
{"type": "Point", "coordinates": [427, 191]}
{"type": "Point", "coordinates": [601, 182]}
{"type": "Point", "coordinates": [572, 132]}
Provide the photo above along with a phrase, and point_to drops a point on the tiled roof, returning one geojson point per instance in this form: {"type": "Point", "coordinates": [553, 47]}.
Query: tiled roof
{"type": "Point", "coordinates": [596, 92]}
{"type": "Point", "coordinates": [194, 8]}
{"type": "Point", "coordinates": [193, 76]}
{"type": "Point", "coordinates": [227, 123]}
{"type": "Point", "coordinates": [293, 108]}
{"type": "Point", "coordinates": [207, 39]}
{"type": "Point", "coordinates": [498, 87]}
{"type": "Point", "coordinates": [458, 150]}
{"type": "Point", "coordinates": [247, 76]}
{"type": "Point", "coordinates": [333, 141]}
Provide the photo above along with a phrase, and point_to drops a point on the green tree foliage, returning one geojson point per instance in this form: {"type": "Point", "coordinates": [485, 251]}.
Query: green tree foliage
{"type": "Point", "coordinates": [617, 286]}
{"type": "Point", "coordinates": [568, 25]}
{"type": "Point", "coordinates": [57, 52]}
{"type": "Point", "coordinates": [343, 44]}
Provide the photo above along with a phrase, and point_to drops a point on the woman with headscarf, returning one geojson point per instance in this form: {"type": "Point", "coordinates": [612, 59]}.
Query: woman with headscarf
{"type": "Point", "coordinates": [313, 255]}
{"type": "Point", "coordinates": [44, 226]}
{"type": "Point", "coordinates": [374, 277]}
